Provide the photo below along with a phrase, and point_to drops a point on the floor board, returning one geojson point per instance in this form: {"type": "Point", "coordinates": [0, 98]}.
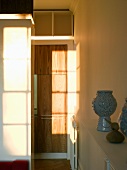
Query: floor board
{"type": "Point", "coordinates": [52, 164]}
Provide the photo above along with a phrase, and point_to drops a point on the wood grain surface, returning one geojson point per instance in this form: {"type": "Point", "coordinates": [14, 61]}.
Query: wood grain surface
{"type": "Point", "coordinates": [51, 119]}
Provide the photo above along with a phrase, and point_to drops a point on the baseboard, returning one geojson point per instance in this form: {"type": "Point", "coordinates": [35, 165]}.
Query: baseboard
{"type": "Point", "coordinates": [50, 156]}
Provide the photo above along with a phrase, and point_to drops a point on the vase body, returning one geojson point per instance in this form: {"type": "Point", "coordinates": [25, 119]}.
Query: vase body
{"type": "Point", "coordinates": [123, 119]}
{"type": "Point", "coordinates": [104, 106]}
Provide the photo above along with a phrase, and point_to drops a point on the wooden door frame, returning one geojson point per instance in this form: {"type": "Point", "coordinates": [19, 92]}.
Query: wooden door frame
{"type": "Point", "coordinates": [70, 45]}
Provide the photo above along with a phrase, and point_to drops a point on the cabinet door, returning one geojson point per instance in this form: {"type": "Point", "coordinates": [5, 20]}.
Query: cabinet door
{"type": "Point", "coordinates": [43, 60]}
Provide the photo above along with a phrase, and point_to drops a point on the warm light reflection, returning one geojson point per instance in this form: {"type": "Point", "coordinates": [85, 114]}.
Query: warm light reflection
{"type": "Point", "coordinates": [14, 138]}
{"type": "Point", "coordinates": [73, 135]}
{"type": "Point", "coordinates": [59, 62]}
{"type": "Point", "coordinates": [72, 103]}
{"type": "Point", "coordinates": [71, 82]}
{"type": "Point", "coordinates": [58, 103]}
{"type": "Point", "coordinates": [58, 125]}
{"type": "Point", "coordinates": [64, 90]}
{"type": "Point", "coordinates": [52, 38]}
{"type": "Point", "coordinates": [78, 77]}
{"type": "Point", "coordinates": [71, 61]}
{"type": "Point", "coordinates": [17, 16]}
{"type": "Point", "coordinates": [59, 83]}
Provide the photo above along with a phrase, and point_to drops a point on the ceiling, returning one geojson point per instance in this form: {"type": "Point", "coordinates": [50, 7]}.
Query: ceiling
{"type": "Point", "coordinates": [52, 4]}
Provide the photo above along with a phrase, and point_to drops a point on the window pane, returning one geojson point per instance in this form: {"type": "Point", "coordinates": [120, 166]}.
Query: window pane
{"type": "Point", "coordinates": [14, 140]}
{"type": "Point", "coordinates": [14, 108]}
{"type": "Point", "coordinates": [15, 42]}
{"type": "Point", "coordinates": [15, 75]}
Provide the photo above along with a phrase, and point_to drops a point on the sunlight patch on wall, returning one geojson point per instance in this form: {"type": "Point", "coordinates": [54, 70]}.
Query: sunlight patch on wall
{"type": "Point", "coordinates": [71, 67]}
{"type": "Point", "coordinates": [72, 82]}
{"type": "Point", "coordinates": [14, 138]}
{"type": "Point", "coordinates": [72, 103]}
{"type": "Point", "coordinates": [78, 77]}
{"type": "Point", "coordinates": [71, 61]}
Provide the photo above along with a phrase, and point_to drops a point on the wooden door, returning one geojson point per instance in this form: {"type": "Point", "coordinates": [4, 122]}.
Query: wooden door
{"type": "Point", "coordinates": [51, 118]}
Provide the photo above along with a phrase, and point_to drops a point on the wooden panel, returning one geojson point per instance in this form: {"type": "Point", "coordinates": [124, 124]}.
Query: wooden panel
{"type": "Point", "coordinates": [59, 83]}
{"type": "Point", "coordinates": [59, 124]}
{"type": "Point", "coordinates": [35, 135]}
{"type": "Point", "coordinates": [59, 59]}
{"type": "Point", "coordinates": [59, 103]}
{"type": "Point", "coordinates": [51, 121]}
{"type": "Point", "coordinates": [42, 60]}
{"type": "Point", "coordinates": [43, 137]}
{"type": "Point", "coordinates": [44, 94]}
{"type": "Point", "coordinates": [59, 134]}
{"type": "Point", "coordinates": [50, 59]}
{"type": "Point", "coordinates": [50, 135]}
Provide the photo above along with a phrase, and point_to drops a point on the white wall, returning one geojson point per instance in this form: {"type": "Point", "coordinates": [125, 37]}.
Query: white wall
{"type": "Point", "coordinates": [101, 38]}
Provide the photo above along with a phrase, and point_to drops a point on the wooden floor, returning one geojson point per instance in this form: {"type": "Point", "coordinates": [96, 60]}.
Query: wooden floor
{"type": "Point", "coordinates": [52, 164]}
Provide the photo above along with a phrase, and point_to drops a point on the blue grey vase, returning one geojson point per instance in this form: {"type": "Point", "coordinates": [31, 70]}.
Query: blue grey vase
{"type": "Point", "coordinates": [123, 119]}
{"type": "Point", "coordinates": [104, 106]}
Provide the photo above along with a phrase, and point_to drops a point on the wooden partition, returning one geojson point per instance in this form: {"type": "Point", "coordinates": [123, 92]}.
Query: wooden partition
{"type": "Point", "coordinates": [51, 117]}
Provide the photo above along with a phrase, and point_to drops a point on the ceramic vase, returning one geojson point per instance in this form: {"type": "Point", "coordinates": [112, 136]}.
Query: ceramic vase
{"type": "Point", "coordinates": [123, 119]}
{"type": "Point", "coordinates": [104, 106]}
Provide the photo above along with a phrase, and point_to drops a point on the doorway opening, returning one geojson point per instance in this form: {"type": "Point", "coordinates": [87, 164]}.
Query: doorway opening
{"type": "Point", "coordinates": [50, 117]}
{"type": "Point", "coordinates": [63, 95]}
